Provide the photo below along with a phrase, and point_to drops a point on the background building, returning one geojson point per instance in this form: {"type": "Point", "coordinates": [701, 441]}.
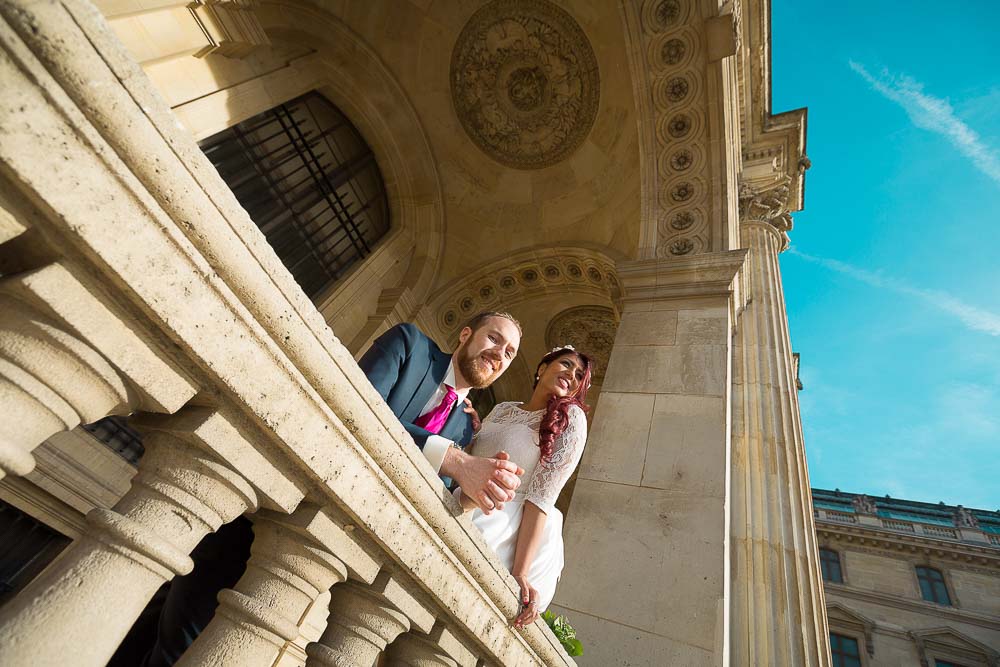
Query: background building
{"type": "Point", "coordinates": [210, 209]}
{"type": "Point", "coordinates": [909, 583]}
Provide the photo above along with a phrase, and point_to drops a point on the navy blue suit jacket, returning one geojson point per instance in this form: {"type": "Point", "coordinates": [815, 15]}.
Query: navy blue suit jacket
{"type": "Point", "coordinates": [406, 368]}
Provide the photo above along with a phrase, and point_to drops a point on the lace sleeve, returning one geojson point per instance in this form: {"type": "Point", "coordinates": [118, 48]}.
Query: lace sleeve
{"type": "Point", "coordinates": [549, 477]}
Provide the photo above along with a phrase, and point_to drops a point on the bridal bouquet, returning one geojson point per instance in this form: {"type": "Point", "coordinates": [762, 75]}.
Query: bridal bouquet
{"type": "Point", "coordinates": [564, 632]}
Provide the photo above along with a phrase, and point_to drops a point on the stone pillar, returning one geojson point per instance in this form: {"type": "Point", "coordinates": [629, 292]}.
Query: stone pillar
{"type": "Point", "coordinates": [777, 611]}
{"type": "Point", "coordinates": [68, 358]}
{"type": "Point", "coordinates": [293, 560]}
{"type": "Point", "coordinates": [49, 379]}
{"type": "Point", "coordinates": [80, 608]}
{"type": "Point", "coordinates": [364, 620]}
{"type": "Point", "coordinates": [438, 648]}
{"type": "Point", "coordinates": [646, 535]}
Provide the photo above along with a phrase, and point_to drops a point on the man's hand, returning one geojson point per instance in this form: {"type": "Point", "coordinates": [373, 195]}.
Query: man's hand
{"type": "Point", "coordinates": [476, 421]}
{"type": "Point", "coordinates": [489, 483]}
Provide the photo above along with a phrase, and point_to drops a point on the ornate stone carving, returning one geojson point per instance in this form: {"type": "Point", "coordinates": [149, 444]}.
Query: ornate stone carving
{"type": "Point", "coordinates": [524, 81]}
{"type": "Point", "coordinates": [864, 505]}
{"type": "Point", "coordinates": [682, 220]}
{"type": "Point", "coordinates": [766, 204]}
{"type": "Point", "coordinates": [681, 247]}
{"type": "Point", "coordinates": [497, 286]}
{"type": "Point", "coordinates": [964, 518]}
{"type": "Point", "coordinates": [681, 160]}
{"type": "Point", "coordinates": [587, 328]}
{"type": "Point", "coordinates": [673, 51]}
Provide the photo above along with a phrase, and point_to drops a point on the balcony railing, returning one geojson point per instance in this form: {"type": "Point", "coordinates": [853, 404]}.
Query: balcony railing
{"type": "Point", "coordinates": [960, 534]}
{"type": "Point", "coordinates": [134, 284]}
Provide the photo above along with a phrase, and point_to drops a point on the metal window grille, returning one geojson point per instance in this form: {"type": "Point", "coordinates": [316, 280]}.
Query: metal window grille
{"type": "Point", "coordinates": [829, 561]}
{"type": "Point", "coordinates": [310, 183]}
{"type": "Point", "coordinates": [844, 651]}
{"type": "Point", "coordinates": [115, 433]}
{"type": "Point", "coordinates": [932, 586]}
{"type": "Point", "coordinates": [26, 547]}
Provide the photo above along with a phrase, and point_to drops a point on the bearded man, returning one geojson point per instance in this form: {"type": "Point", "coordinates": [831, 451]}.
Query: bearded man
{"type": "Point", "coordinates": [426, 389]}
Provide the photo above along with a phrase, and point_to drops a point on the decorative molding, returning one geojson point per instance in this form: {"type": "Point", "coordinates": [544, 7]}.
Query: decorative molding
{"type": "Point", "coordinates": [524, 82]}
{"type": "Point", "coordinates": [945, 642]}
{"type": "Point", "coordinates": [840, 615]}
{"type": "Point", "coordinates": [894, 543]}
{"type": "Point", "coordinates": [590, 329]}
{"type": "Point", "coordinates": [694, 275]}
{"type": "Point", "coordinates": [919, 606]}
{"type": "Point", "coordinates": [230, 26]}
{"type": "Point", "coordinates": [520, 276]}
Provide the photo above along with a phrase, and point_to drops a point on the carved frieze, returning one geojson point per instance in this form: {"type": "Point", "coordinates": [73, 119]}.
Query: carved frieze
{"type": "Point", "coordinates": [500, 284]}
{"type": "Point", "coordinates": [525, 83]}
{"type": "Point", "coordinates": [672, 39]}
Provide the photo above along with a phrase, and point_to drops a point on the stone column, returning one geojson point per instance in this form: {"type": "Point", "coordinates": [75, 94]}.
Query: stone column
{"type": "Point", "coordinates": [364, 619]}
{"type": "Point", "coordinates": [293, 560]}
{"type": "Point", "coordinates": [438, 648]}
{"type": "Point", "coordinates": [67, 358]}
{"type": "Point", "coordinates": [777, 610]}
{"type": "Point", "coordinates": [80, 608]}
{"type": "Point", "coordinates": [646, 536]}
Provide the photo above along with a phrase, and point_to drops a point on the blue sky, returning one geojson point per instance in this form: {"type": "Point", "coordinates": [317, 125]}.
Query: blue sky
{"type": "Point", "coordinates": [893, 278]}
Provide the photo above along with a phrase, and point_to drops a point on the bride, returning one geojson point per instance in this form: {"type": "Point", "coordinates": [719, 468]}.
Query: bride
{"type": "Point", "coordinates": [545, 436]}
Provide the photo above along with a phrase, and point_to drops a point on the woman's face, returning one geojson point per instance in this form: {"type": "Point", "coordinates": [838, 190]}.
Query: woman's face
{"type": "Point", "coordinates": [562, 376]}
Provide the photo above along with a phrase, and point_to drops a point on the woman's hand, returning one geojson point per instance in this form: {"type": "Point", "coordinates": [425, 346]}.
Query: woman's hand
{"type": "Point", "coordinates": [529, 603]}
{"type": "Point", "coordinates": [476, 422]}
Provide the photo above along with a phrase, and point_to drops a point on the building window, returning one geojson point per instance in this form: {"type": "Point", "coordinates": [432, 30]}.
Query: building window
{"type": "Point", "coordinates": [829, 561]}
{"type": "Point", "coordinates": [309, 182]}
{"type": "Point", "coordinates": [26, 547]}
{"type": "Point", "coordinates": [932, 586]}
{"type": "Point", "coordinates": [844, 651]}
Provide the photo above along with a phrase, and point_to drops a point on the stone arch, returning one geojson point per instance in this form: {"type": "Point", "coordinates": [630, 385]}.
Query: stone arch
{"type": "Point", "coordinates": [389, 284]}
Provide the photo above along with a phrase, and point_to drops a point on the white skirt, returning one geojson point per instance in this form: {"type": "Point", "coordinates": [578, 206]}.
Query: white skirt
{"type": "Point", "coordinates": [500, 531]}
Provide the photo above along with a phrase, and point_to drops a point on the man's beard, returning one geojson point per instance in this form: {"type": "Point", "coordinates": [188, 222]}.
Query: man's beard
{"type": "Point", "coordinates": [475, 370]}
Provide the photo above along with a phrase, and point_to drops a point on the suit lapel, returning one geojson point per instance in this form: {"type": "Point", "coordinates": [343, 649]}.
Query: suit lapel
{"type": "Point", "coordinates": [432, 379]}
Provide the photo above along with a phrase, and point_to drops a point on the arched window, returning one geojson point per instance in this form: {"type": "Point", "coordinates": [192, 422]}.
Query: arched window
{"type": "Point", "coordinates": [932, 586]}
{"type": "Point", "coordinates": [829, 561]}
{"type": "Point", "coordinates": [309, 182]}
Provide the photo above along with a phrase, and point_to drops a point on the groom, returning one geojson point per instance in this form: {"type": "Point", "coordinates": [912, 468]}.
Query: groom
{"type": "Point", "coordinates": [425, 388]}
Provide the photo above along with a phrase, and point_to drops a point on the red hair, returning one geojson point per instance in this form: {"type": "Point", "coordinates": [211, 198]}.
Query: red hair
{"type": "Point", "coordinates": [556, 416]}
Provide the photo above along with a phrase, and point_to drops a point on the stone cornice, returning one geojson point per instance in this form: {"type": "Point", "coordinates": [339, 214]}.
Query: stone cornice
{"type": "Point", "coordinates": [895, 542]}
{"type": "Point", "coordinates": [690, 276]}
{"type": "Point", "coordinates": [779, 137]}
{"type": "Point", "coordinates": [919, 606]}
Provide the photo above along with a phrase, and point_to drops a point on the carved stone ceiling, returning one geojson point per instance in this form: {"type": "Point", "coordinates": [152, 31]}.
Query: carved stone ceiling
{"type": "Point", "coordinates": [529, 111]}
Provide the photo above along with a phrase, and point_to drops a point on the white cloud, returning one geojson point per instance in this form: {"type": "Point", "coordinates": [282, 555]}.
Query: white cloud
{"type": "Point", "coordinates": [974, 318]}
{"type": "Point", "coordinates": [933, 114]}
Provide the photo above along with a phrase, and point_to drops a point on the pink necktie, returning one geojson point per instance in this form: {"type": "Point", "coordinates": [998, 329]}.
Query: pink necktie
{"type": "Point", "coordinates": [434, 420]}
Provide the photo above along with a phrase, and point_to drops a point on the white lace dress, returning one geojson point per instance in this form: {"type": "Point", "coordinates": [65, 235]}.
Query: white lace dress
{"type": "Point", "coordinates": [509, 428]}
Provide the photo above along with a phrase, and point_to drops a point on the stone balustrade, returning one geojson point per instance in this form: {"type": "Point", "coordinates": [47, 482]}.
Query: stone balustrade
{"type": "Point", "coordinates": [956, 533]}
{"type": "Point", "coordinates": [132, 283]}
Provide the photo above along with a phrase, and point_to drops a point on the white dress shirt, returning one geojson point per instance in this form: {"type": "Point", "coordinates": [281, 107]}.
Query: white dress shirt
{"type": "Point", "coordinates": [437, 446]}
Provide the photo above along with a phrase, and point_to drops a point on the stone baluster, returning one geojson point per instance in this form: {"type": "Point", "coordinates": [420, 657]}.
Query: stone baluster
{"type": "Point", "coordinates": [364, 619]}
{"type": "Point", "coordinates": [777, 606]}
{"type": "Point", "coordinates": [438, 648]}
{"type": "Point", "coordinates": [66, 358]}
{"type": "Point", "coordinates": [293, 560]}
{"type": "Point", "coordinates": [80, 608]}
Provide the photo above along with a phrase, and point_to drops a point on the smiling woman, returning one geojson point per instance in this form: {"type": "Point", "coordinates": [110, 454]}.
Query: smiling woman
{"type": "Point", "coordinates": [545, 436]}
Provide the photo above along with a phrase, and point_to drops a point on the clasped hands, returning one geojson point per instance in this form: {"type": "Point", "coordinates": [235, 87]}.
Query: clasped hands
{"type": "Point", "coordinates": [485, 483]}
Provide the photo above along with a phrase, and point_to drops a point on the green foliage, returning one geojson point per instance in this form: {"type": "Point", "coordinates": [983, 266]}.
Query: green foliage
{"type": "Point", "coordinates": [564, 632]}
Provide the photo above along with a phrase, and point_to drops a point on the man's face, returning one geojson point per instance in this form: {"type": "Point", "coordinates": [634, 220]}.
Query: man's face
{"type": "Point", "coordinates": [484, 354]}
